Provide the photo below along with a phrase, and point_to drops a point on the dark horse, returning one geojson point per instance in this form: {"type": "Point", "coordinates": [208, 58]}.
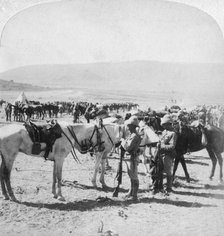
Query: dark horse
{"type": "Point", "coordinates": [192, 139]}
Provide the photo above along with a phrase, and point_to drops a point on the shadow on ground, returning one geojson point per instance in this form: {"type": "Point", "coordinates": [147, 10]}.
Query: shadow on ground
{"type": "Point", "coordinates": [86, 205]}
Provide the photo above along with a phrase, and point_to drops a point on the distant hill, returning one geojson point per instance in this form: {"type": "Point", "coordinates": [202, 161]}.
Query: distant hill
{"type": "Point", "coordinates": [10, 85]}
{"type": "Point", "coordinates": [140, 75]}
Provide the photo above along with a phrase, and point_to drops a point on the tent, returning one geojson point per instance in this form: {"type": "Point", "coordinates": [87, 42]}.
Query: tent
{"type": "Point", "coordinates": [22, 99]}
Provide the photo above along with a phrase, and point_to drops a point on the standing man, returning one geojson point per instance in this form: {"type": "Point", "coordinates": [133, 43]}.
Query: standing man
{"type": "Point", "coordinates": [131, 145]}
{"type": "Point", "coordinates": [167, 153]}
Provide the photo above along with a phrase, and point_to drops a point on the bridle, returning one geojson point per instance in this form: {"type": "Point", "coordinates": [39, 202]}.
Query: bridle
{"type": "Point", "coordinates": [87, 144]}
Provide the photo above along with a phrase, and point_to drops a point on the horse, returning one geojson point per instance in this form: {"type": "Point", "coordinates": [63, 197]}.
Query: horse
{"type": "Point", "coordinates": [149, 139]}
{"type": "Point", "coordinates": [14, 138]}
{"type": "Point", "coordinates": [192, 139]}
{"type": "Point", "coordinates": [112, 133]}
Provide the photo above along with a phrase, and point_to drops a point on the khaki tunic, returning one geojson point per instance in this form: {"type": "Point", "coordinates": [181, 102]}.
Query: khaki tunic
{"type": "Point", "coordinates": [168, 144]}
{"type": "Point", "coordinates": [131, 146]}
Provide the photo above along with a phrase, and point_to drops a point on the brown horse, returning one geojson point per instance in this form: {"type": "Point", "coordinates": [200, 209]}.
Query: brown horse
{"type": "Point", "coordinates": [191, 139]}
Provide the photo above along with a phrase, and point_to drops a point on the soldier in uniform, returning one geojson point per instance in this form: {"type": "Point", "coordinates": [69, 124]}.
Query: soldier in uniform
{"type": "Point", "coordinates": [167, 152]}
{"type": "Point", "coordinates": [131, 146]}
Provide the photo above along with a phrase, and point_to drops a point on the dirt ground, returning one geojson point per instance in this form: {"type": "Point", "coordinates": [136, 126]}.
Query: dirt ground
{"type": "Point", "coordinates": [195, 208]}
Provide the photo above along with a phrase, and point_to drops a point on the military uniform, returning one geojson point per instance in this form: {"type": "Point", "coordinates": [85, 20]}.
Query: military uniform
{"type": "Point", "coordinates": [131, 146]}
{"type": "Point", "coordinates": [167, 155]}
{"type": "Point", "coordinates": [167, 149]}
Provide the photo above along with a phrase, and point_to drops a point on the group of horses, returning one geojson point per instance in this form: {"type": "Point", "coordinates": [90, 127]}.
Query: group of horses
{"type": "Point", "coordinates": [21, 112]}
{"type": "Point", "coordinates": [35, 110]}
{"type": "Point", "coordinates": [91, 137]}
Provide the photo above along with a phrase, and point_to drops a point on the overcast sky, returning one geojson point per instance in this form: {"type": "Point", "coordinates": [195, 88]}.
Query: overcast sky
{"type": "Point", "coordinates": [95, 31]}
{"type": "Point", "coordinates": [213, 7]}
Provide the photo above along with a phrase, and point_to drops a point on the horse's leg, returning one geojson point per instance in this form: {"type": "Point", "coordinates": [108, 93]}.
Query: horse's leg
{"type": "Point", "coordinates": [146, 164]}
{"type": "Point", "coordinates": [6, 172]}
{"type": "Point", "coordinates": [2, 179]}
{"type": "Point", "coordinates": [96, 168]}
{"type": "Point", "coordinates": [59, 165]}
{"type": "Point", "coordinates": [184, 166]}
{"type": "Point", "coordinates": [214, 161]}
{"type": "Point", "coordinates": [54, 182]}
{"type": "Point", "coordinates": [8, 185]}
{"type": "Point", "coordinates": [176, 163]}
{"type": "Point", "coordinates": [103, 161]}
{"type": "Point", "coordinates": [220, 161]}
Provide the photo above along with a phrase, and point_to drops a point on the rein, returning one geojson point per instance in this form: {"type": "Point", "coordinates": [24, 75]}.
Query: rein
{"type": "Point", "coordinates": [73, 150]}
{"type": "Point", "coordinates": [71, 131]}
{"type": "Point", "coordinates": [108, 134]}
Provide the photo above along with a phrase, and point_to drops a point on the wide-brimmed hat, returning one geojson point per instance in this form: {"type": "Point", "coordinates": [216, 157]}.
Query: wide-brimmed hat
{"type": "Point", "coordinates": [133, 120]}
{"type": "Point", "coordinates": [201, 115]}
{"type": "Point", "coordinates": [167, 119]}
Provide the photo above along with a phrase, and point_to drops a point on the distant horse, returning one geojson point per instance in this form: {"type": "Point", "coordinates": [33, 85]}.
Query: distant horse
{"type": "Point", "coordinates": [193, 139]}
{"type": "Point", "coordinates": [14, 138]}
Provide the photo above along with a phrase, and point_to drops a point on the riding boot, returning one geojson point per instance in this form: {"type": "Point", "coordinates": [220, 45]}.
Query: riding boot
{"type": "Point", "coordinates": [135, 189]}
{"type": "Point", "coordinates": [169, 183]}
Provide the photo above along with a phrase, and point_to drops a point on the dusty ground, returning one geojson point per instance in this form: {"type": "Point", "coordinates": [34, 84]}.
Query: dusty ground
{"type": "Point", "coordinates": [195, 208]}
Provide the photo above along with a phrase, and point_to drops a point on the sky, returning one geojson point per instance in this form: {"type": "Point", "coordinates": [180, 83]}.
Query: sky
{"type": "Point", "coordinates": [97, 31]}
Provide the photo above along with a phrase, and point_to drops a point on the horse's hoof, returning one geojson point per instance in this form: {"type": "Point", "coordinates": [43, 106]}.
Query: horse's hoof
{"type": "Point", "coordinates": [94, 184]}
{"type": "Point", "coordinates": [55, 196]}
{"type": "Point", "coordinates": [13, 199]}
{"type": "Point", "coordinates": [108, 168]}
{"type": "Point", "coordinates": [60, 198]}
{"type": "Point", "coordinates": [6, 198]}
{"type": "Point", "coordinates": [210, 178]}
{"type": "Point", "coordinates": [105, 187]}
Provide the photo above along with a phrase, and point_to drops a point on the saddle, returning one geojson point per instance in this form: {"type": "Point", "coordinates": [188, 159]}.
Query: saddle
{"type": "Point", "coordinates": [198, 139]}
{"type": "Point", "coordinates": [43, 133]}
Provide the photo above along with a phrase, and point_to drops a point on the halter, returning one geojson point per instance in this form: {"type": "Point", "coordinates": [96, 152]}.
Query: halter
{"type": "Point", "coordinates": [84, 144]}
{"type": "Point", "coordinates": [84, 148]}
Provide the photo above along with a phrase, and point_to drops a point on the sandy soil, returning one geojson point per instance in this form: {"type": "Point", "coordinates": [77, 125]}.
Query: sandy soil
{"type": "Point", "coordinates": [195, 208]}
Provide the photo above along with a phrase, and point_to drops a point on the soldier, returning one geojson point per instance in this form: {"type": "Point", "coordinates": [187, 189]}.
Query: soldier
{"type": "Point", "coordinates": [167, 152]}
{"type": "Point", "coordinates": [131, 146]}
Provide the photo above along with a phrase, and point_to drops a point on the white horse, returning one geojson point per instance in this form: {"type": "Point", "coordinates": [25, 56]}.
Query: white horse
{"type": "Point", "coordinates": [149, 137]}
{"type": "Point", "coordinates": [14, 138]}
{"type": "Point", "coordinates": [111, 134]}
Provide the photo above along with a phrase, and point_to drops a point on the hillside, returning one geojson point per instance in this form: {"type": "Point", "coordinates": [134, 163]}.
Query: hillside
{"type": "Point", "coordinates": [10, 85]}
{"type": "Point", "coordinates": [140, 75]}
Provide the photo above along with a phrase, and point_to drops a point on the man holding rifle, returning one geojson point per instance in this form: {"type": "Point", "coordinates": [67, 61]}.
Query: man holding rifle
{"type": "Point", "coordinates": [130, 145]}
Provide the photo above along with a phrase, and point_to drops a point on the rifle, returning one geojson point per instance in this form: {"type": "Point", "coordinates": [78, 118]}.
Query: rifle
{"type": "Point", "coordinates": [119, 172]}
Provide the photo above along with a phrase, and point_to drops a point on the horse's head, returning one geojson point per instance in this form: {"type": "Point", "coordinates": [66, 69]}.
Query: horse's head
{"type": "Point", "coordinates": [86, 136]}
{"type": "Point", "coordinates": [148, 136]}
